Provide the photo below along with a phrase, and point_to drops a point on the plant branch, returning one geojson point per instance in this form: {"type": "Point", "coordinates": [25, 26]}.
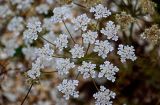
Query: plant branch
{"type": "Point", "coordinates": [27, 94]}
{"type": "Point", "coordinates": [68, 31]}
{"type": "Point", "coordinates": [47, 40]}
{"type": "Point", "coordinates": [95, 84]}
{"type": "Point", "coordinates": [77, 75]}
{"type": "Point", "coordinates": [87, 49]}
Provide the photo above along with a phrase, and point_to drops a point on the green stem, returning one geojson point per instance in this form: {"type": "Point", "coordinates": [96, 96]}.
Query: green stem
{"type": "Point", "coordinates": [68, 32]}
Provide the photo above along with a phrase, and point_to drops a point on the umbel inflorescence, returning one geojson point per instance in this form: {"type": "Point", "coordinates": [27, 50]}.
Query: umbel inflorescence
{"type": "Point", "coordinates": [71, 55]}
{"type": "Point", "coordinates": [77, 50]}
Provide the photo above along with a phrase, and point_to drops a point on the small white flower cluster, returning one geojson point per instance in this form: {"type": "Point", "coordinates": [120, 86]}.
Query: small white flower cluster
{"type": "Point", "coordinates": [89, 37]}
{"type": "Point", "coordinates": [100, 11]}
{"type": "Point", "coordinates": [16, 25]}
{"type": "Point", "coordinates": [108, 71]}
{"type": "Point", "coordinates": [22, 4]}
{"type": "Point", "coordinates": [42, 9]}
{"type": "Point", "coordinates": [10, 46]}
{"type": "Point", "coordinates": [34, 26]}
{"type": "Point", "coordinates": [4, 11]}
{"type": "Point", "coordinates": [104, 96]}
{"type": "Point", "coordinates": [44, 55]}
{"type": "Point", "coordinates": [35, 71]}
{"type": "Point", "coordinates": [81, 22]}
{"type": "Point", "coordinates": [61, 42]}
{"type": "Point", "coordinates": [103, 48]}
{"type": "Point", "coordinates": [68, 88]}
{"type": "Point", "coordinates": [64, 65]}
{"type": "Point", "coordinates": [77, 51]}
{"type": "Point", "coordinates": [31, 33]}
{"type": "Point", "coordinates": [61, 14]}
{"type": "Point", "coordinates": [87, 69]}
{"type": "Point", "coordinates": [111, 31]}
{"type": "Point", "coordinates": [126, 52]}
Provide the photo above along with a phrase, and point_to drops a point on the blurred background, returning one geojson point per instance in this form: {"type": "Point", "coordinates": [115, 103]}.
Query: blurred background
{"type": "Point", "coordinates": [137, 83]}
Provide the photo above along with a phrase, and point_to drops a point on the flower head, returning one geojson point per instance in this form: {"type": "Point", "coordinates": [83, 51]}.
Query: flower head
{"type": "Point", "coordinates": [43, 8]}
{"type": "Point", "coordinates": [152, 34]}
{"type": "Point", "coordinates": [77, 51]}
{"type": "Point", "coordinates": [61, 14]}
{"type": "Point", "coordinates": [61, 42]}
{"type": "Point", "coordinates": [100, 11]}
{"type": "Point", "coordinates": [87, 69]}
{"type": "Point", "coordinates": [81, 22]}
{"type": "Point", "coordinates": [89, 37]}
{"type": "Point", "coordinates": [35, 71]}
{"type": "Point", "coordinates": [126, 52]}
{"type": "Point", "coordinates": [68, 88]}
{"type": "Point", "coordinates": [34, 26]}
{"type": "Point", "coordinates": [103, 48]}
{"type": "Point", "coordinates": [104, 96]}
{"type": "Point", "coordinates": [16, 24]}
{"type": "Point", "coordinates": [111, 31]}
{"type": "Point", "coordinates": [124, 20]}
{"type": "Point", "coordinates": [45, 52]}
{"type": "Point", "coordinates": [108, 71]}
{"type": "Point", "coordinates": [63, 66]}
{"type": "Point", "coordinates": [32, 32]}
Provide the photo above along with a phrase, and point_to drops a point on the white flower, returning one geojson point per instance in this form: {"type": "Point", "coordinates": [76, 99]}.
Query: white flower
{"type": "Point", "coordinates": [89, 37]}
{"type": "Point", "coordinates": [61, 14]}
{"type": "Point", "coordinates": [77, 51]}
{"type": "Point", "coordinates": [100, 11]}
{"type": "Point", "coordinates": [126, 52]}
{"type": "Point", "coordinates": [16, 24]}
{"type": "Point", "coordinates": [31, 33]}
{"type": "Point", "coordinates": [81, 22]}
{"type": "Point", "coordinates": [87, 69]}
{"type": "Point", "coordinates": [61, 42]}
{"type": "Point", "coordinates": [29, 36]}
{"type": "Point", "coordinates": [111, 31]}
{"type": "Point", "coordinates": [5, 11]}
{"type": "Point", "coordinates": [103, 48]}
{"type": "Point", "coordinates": [68, 88]}
{"type": "Point", "coordinates": [104, 96]}
{"type": "Point", "coordinates": [35, 71]}
{"type": "Point", "coordinates": [33, 74]}
{"type": "Point", "coordinates": [22, 4]}
{"type": "Point", "coordinates": [34, 26]}
{"type": "Point", "coordinates": [45, 52]}
{"type": "Point", "coordinates": [108, 71]}
{"type": "Point", "coordinates": [42, 8]}
{"type": "Point", "coordinates": [10, 46]}
{"type": "Point", "coordinates": [63, 66]}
